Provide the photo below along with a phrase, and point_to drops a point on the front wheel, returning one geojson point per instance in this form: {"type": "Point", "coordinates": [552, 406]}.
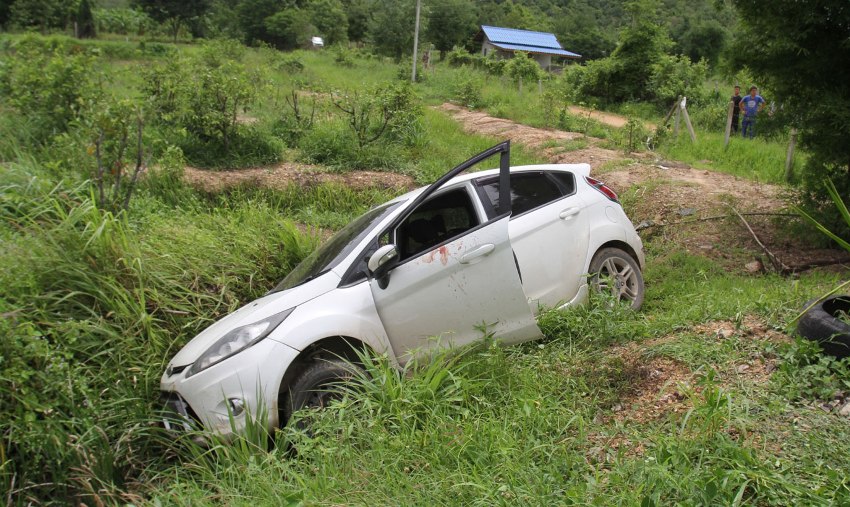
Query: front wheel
{"type": "Point", "coordinates": [319, 384]}
{"type": "Point", "coordinates": [615, 272]}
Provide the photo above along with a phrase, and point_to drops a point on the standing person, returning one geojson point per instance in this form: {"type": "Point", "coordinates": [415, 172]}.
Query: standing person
{"type": "Point", "coordinates": [751, 105]}
{"type": "Point", "coordinates": [736, 110]}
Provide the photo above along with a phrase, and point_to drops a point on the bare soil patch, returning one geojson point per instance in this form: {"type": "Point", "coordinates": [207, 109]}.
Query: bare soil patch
{"type": "Point", "coordinates": [657, 385]}
{"type": "Point", "coordinates": [614, 120]}
{"type": "Point", "coordinates": [283, 175]}
{"type": "Point", "coordinates": [547, 141]}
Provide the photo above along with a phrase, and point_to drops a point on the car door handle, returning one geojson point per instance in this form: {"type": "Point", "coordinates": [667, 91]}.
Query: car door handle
{"type": "Point", "coordinates": [569, 213]}
{"type": "Point", "coordinates": [477, 253]}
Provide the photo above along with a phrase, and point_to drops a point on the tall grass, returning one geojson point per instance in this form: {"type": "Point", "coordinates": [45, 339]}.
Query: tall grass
{"type": "Point", "coordinates": [93, 307]}
{"type": "Point", "coordinates": [761, 160]}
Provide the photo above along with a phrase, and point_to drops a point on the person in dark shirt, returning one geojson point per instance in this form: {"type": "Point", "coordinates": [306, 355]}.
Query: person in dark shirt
{"type": "Point", "coordinates": [736, 117]}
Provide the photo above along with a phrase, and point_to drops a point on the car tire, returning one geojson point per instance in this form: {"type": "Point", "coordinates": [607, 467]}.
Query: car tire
{"type": "Point", "coordinates": [821, 324]}
{"type": "Point", "coordinates": [317, 386]}
{"type": "Point", "coordinates": [615, 271]}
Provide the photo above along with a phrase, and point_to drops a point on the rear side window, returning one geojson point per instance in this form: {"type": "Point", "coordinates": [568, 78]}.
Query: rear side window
{"type": "Point", "coordinates": [529, 190]}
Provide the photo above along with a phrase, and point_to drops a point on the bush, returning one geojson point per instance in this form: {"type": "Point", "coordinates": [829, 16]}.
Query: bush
{"type": "Point", "coordinates": [119, 153]}
{"type": "Point", "coordinates": [49, 83]}
{"type": "Point", "coordinates": [330, 143]}
{"type": "Point", "coordinates": [675, 76]}
{"type": "Point", "coordinates": [123, 21]}
{"type": "Point", "coordinates": [199, 99]}
{"type": "Point", "coordinates": [343, 56]}
{"type": "Point", "coordinates": [249, 146]}
{"type": "Point", "coordinates": [523, 68]}
{"type": "Point", "coordinates": [390, 111]}
{"type": "Point", "coordinates": [291, 64]}
{"type": "Point", "coordinates": [468, 92]}
{"type": "Point", "coordinates": [459, 57]}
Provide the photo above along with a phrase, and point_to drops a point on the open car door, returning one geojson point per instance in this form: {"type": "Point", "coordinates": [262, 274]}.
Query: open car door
{"type": "Point", "coordinates": [444, 270]}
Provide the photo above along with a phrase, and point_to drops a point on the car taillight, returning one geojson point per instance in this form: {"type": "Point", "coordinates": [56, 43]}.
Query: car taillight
{"type": "Point", "coordinates": [603, 188]}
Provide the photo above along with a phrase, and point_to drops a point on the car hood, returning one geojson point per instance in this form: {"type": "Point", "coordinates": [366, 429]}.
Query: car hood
{"type": "Point", "coordinates": [254, 311]}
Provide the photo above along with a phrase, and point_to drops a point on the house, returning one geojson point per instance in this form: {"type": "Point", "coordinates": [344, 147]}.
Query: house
{"type": "Point", "coordinates": [503, 42]}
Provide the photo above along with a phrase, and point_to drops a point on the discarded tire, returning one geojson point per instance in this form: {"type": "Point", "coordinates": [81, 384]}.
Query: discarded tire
{"type": "Point", "coordinates": [821, 324]}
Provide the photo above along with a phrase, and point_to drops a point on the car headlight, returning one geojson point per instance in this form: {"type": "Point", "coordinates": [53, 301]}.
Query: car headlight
{"type": "Point", "coordinates": [236, 340]}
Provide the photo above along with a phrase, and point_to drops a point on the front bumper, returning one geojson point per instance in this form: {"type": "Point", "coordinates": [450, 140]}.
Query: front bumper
{"type": "Point", "coordinates": [223, 397]}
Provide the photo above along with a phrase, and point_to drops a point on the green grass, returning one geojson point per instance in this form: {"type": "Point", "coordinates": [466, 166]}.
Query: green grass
{"type": "Point", "coordinates": [756, 160]}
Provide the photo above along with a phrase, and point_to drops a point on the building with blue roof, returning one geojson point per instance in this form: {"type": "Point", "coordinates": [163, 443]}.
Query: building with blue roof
{"type": "Point", "coordinates": [542, 46]}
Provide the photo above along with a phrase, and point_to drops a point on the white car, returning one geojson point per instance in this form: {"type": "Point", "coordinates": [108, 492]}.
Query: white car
{"type": "Point", "coordinates": [487, 248]}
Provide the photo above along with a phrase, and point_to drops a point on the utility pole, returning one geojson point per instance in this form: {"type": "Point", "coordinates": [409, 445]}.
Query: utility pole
{"type": "Point", "coordinates": [416, 41]}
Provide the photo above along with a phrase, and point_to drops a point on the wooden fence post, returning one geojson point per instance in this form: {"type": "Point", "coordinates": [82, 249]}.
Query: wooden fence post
{"type": "Point", "coordinates": [729, 114]}
{"type": "Point", "coordinates": [677, 120]}
{"type": "Point", "coordinates": [789, 157]}
{"type": "Point", "coordinates": [671, 111]}
{"type": "Point", "coordinates": [688, 120]}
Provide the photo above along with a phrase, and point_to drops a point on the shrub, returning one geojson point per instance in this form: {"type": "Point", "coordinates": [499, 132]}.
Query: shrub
{"type": "Point", "coordinates": [523, 68]}
{"type": "Point", "coordinates": [330, 142]}
{"type": "Point", "coordinates": [343, 56]}
{"type": "Point", "coordinates": [390, 111]}
{"type": "Point", "coordinates": [53, 86]}
{"type": "Point", "coordinates": [117, 147]}
{"type": "Point", "coordinates": [123, 21]}
{"type": "Point", "coordinates": [459, 56]}
{"type": "Point", "coordinates": [250, 145]}
{"type": "Point", "coordinates": [200, 98]}
{"type": "Point", "coordinates": [468, 92]}
{"type": "Point", "coordinates": [291, 64]}
{"type": "Point", "coordinates": [297, 119]}
{"type": "Point", "coordinates": [674, 76]}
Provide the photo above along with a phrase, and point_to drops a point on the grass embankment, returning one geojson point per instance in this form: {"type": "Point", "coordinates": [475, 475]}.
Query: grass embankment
{"type": "Point", "coordinates": [93, 305]}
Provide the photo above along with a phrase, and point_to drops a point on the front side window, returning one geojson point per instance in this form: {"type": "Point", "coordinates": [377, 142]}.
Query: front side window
{"type": "Point", "coordinates": [335, 249]}
{"type": "Point", "coordinates": [529, 190]}
{"type": "Point", "coordinates": [436, 221]}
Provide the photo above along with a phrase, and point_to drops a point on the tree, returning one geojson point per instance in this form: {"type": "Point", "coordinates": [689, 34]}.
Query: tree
{"type": "Point", "coordinates": [5, 11]}
{"type": "Point", "coordinates": [519, 16]}
{"type": "Point", "coordinates": [706, 40]}
{"type": "Point", "coordinates": [450, 23]}
{"type": "Point", "coordinates": [799, 49]}
{"type": "Point", "coordinates": [359, 14]}
{"type": "Point", "coordinates": [579, 31]}
{"type": "Point", "coordinates": [391, 29]}
{"type": "Point", "coordinates": [330, 19]}
{"type": "Point", "coordinates": [522, 67]}
{"type": "Point", "coordinates": [289, 28]}
{"type": "Point", "coordinates": [176, 13]}
{"type": "Point", "coordinates": [641, 44]}
{"type": "Point", "coordinates": [44, 14]}
{"type": "Point", "coordinates": [53, 85]}
{"type": "Point", "coordinates": [85, 21]}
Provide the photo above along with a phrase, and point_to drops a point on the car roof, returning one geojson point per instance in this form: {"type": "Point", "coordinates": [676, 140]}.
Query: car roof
{"type": "Point", "coordinates": [580, 169]}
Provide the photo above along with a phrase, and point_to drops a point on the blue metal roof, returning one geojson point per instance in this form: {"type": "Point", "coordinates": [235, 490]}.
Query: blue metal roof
{"type": "Point", "coordinates": [534, 49]}
{"type": "Point", "coordinates": [526, 40]}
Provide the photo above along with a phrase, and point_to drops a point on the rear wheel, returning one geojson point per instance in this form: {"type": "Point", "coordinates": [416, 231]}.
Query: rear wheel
{"type": "Point", "coordinates": [615, 272]}
{"type": "Point", "coordinates": [318, 385]}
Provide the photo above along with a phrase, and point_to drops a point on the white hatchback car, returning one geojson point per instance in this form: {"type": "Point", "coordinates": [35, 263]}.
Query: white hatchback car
{"type": "Point", "coordinates": [486, 248]}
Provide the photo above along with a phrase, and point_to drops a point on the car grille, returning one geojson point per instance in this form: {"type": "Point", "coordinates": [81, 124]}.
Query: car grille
{"type": "Point", "coordinates": [177, 415]}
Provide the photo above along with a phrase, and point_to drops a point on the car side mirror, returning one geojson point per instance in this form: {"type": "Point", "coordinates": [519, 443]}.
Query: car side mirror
{"type": "Point", "coordinates": [380, 263]}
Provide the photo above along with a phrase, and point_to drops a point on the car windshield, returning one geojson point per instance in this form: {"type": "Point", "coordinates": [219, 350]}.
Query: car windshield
{"type": "Point", "coordinates": [336, 248]}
